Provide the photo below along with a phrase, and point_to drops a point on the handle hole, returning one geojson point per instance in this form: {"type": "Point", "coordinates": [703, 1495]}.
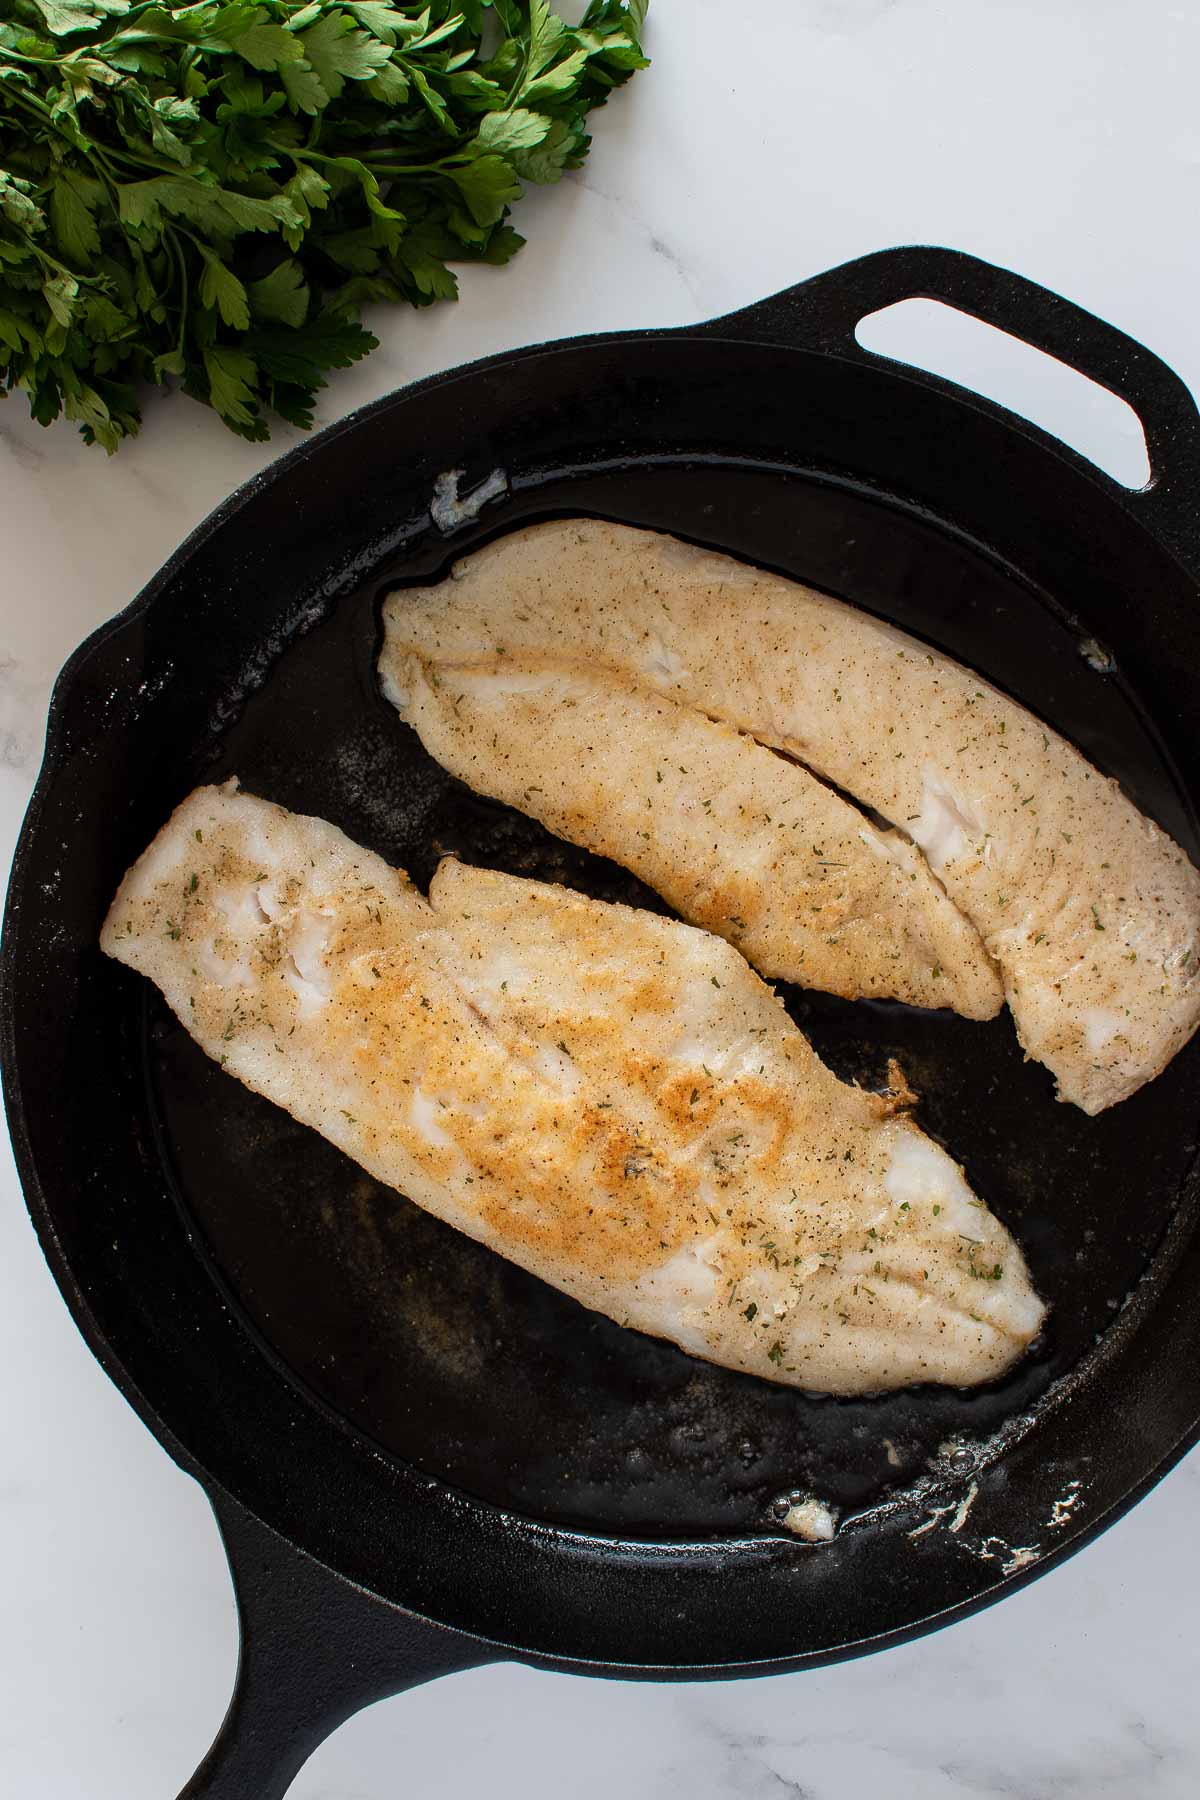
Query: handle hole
{"type": "Point", "coordinates": [1070, 406]}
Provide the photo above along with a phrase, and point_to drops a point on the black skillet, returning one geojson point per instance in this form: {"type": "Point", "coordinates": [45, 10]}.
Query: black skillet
{"type": "Point", "coordinates": [421, 1458]}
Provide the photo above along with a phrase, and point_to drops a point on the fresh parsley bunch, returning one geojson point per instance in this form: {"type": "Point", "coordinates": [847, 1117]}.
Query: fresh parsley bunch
{"type": "Point", "coordinates": [210, 193]}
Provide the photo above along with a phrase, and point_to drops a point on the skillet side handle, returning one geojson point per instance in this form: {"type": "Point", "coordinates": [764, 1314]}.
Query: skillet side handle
{"type": "Point", "coordinates": [315, 1649]}
{"type": "Point", "coordinates": [821, 314]}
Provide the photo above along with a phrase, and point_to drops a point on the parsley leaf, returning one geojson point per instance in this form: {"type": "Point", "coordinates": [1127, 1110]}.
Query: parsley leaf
{"type": "Point", "coordinates": [338, 53]}
{"type": "Point", "coordinates": [231, 379]}
{"type": "Point", "coordinates": [487, 184]}
{"type": "Point", "coordinates": [282, 295]}
{"type": "Point", "coordinates": [221, 289]}
{"type": "Point", "coordinates": [519, 129]}
{"type": "Point", "coordinates": [73, 204]}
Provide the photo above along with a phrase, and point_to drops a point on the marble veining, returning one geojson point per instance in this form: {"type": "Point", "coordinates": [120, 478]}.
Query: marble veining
{"type": "Point", "coordinates": [768, 142]}
{"type": "Point", "coordinates": [624, 212]}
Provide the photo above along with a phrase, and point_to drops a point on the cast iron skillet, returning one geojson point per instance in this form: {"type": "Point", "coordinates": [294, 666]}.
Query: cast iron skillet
{"type": "Point", "coordinates": [420, 1457]}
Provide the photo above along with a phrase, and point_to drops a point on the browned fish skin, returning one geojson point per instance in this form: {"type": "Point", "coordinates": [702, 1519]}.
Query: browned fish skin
{"type": "Point", "coordinates": [736, 838]}
{"type": "Point", "coordinates": [1091, 913]}
{"type": "Point", "coordinates": [613, 1100]}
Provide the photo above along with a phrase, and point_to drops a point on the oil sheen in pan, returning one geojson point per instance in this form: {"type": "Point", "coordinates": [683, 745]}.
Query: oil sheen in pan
{"type": "Point", "coordinates": [474, 1371]}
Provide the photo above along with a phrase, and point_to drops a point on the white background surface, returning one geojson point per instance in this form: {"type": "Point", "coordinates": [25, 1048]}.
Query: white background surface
{"type": "Point", "coordinates": [772, 138]}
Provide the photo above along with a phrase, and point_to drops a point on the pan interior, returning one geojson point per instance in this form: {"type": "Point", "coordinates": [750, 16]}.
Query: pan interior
{"type": "Point", "coordinates": [478, 1374]}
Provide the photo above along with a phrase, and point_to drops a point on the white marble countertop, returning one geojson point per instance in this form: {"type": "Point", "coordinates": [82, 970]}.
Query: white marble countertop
{"type": "Point", "coordinates": [771, 139]}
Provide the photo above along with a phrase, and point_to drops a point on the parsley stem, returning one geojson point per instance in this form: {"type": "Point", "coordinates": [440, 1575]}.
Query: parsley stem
{"type": "Point", "coordinates": [52, 262]}
{"type": "Point", "coordinates": [412, 168]}
{"type": "Point", "coordinates": [175, 170]}
{"type": "Point", "coordinates": [181, 259]}
{"type": "Point", "coordinates": [38, 108]}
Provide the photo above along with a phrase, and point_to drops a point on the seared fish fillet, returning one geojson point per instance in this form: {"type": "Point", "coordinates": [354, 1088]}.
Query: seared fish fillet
{"type": "Point", "coordinates": [736, 838]}
{"type": "Point", "coordinates": [1090, 911]}
{"type": "Point", "coordinates": [610, 1099]}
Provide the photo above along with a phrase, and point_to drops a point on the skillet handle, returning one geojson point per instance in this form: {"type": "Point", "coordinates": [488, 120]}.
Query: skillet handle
{"type": "Point", "coordinates": [315, 1649]}
{"type": "Point", "coordinates": [821, 314]}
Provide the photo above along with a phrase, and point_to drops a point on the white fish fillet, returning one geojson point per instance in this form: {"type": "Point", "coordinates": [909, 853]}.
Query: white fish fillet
{"type": "Point", "coordinates": [1090, 911]}
{"type": "Point", "coordinates": [736, 838]}
{"type": "Point", "coordinates": [613, 1100]}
